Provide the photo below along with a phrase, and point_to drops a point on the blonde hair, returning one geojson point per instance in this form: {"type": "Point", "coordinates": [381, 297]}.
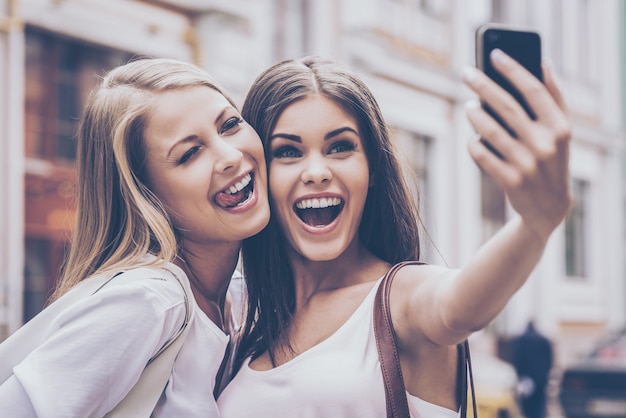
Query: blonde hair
{"type": "Point", "coordinates": [119, 219]}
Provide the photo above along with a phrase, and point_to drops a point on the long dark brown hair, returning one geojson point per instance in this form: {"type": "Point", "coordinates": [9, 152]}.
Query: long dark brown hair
{"type": "Point", "coordinates": [389, 225]}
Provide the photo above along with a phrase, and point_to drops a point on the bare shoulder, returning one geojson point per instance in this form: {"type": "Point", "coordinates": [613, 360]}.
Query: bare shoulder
{"type": "Point", "coordinates": [413, 297]}
{"type": "Point", "coordinates": [412, 283]}
{"type": "Point", "coordinates": [413, 275]}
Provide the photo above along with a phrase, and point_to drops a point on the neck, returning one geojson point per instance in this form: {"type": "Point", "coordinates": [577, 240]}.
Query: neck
{"type": "Point", "coordinates": [355, 265]}
{"type": "Point", "coordinates": [209, 271]}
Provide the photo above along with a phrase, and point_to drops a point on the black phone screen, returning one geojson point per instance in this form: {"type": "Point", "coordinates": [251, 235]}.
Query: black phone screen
{"type": "Point", "coordinates": [521, 45]}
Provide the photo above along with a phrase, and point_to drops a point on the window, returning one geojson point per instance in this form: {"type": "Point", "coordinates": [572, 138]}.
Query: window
{"type": "Point", "coordinates": [43, 258]}
{"type": "Point", "coordinates": [575, 232]}
{"type": "Point", "coordinates": [414, 150]}
{"type": "Point", "coordinates": [59, 74]}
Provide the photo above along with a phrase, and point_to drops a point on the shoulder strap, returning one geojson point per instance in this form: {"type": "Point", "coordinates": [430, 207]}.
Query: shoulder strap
{"type": "Point", "coordinates": [142, 398]}
{"type": "Point", "coordinates": [395, 392]}
{"type": "Point", "coordinates": [465, 373]}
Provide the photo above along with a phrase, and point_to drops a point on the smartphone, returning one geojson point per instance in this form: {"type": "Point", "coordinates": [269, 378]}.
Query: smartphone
{"type": "Point", "coordinates": [521, 44]}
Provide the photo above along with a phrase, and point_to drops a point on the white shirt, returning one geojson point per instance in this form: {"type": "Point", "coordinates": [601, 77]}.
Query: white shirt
{"type": "Point", "coordinates": [339, 377]}
{"type": "Point", "coordinates": [96, 350]}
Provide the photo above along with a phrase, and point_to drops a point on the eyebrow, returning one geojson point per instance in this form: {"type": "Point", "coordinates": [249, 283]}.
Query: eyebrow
{"type": "Point", "coordinates": [297, 138]}
{"type": "Point", "coordinates": [182, 141]}
{"type": "Point", "coordinates": [192, 137]}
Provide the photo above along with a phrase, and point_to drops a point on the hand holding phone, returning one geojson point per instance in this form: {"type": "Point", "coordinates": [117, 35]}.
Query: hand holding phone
{"type": "Point", "coordinates": [532, 167]}
{"type": "Point", "coordinates": [523, 45]}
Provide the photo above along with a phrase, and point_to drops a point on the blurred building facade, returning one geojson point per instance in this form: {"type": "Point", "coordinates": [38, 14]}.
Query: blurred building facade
{"type": "Point", "coordinates": [410, 52]}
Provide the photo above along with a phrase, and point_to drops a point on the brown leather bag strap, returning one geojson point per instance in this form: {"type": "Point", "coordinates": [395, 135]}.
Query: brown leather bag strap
{"type": "Point", "coordinates": [461, 378]}
{"type": "Point", "coordinates": [395, 392]}
{"type": "Point", "coordinates": [464, 373]}
{"type": "Point", "coordinates": [470, 374]}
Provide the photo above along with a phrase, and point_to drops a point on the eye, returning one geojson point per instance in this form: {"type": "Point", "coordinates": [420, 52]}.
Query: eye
{"type": "Point", "coordinates": [340, 147]}
{"type": "Point", "coordinates": [188, 154]}
{"type": "Point", "coordinates": [231, 124]}
{"type": "Point", "coordinates": [286, 151]}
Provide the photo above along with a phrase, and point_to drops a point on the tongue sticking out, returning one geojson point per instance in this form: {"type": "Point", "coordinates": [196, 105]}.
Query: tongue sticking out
{"type": "Point", "coordinates": [231, 200]}
{"type": "Point", "coordinates": [318, 217]}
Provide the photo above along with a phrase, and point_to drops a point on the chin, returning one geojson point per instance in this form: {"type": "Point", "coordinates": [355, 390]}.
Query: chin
{"type": "Point", "coordinates": [320, 252]}
{"type": "Point", "coordinates": [249, 232]}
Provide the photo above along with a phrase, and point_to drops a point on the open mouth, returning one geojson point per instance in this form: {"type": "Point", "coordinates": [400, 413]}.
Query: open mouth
{"type": "Point", "coordinates": [319, 212]}
{"type": "Point", "coordinates": [236, 194]}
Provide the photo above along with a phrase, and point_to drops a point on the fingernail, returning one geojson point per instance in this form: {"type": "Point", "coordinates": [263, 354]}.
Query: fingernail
{"type": "Point", "coordinates": [469, 74]}
{"type": "Point", "coordinates": [498, 56]}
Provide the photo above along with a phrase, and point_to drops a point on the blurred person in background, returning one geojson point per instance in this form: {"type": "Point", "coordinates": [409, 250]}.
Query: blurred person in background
{"type": "Point", "coordinates": [169, 175]}
{"type": "Point", "coordinates": [532, 359]}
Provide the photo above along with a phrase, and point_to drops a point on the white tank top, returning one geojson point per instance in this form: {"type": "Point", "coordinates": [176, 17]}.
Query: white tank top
{"type": "Point", "coordinates": [339, 377]}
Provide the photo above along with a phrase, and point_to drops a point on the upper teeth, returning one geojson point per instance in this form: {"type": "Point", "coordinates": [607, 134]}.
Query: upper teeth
{"type": "Point", "coordinates": [318, 203]}
{"type": "Point", "coordinates": [237, 187]}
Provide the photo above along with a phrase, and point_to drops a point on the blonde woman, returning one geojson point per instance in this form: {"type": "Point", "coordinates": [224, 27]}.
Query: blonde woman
{"type": "Point", "coordinates": [169, 175]}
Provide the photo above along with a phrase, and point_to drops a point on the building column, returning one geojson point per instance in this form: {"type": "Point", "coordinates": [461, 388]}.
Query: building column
{"type": "Point", "coordinates": [12, 51]}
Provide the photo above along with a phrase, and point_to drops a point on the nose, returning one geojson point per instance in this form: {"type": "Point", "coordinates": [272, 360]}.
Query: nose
{"type": "Point", "coordinates": [316, 171]}
{"type": "Point", "coordinates": [227, 156]}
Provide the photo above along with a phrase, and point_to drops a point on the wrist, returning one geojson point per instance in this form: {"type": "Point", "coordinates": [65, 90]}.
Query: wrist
{"type": "Point", "coordinates": [539, 232]}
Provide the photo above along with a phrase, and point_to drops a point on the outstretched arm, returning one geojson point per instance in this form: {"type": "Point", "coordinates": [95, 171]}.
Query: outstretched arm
{"type": "Point", "coordinates": [533, 171]}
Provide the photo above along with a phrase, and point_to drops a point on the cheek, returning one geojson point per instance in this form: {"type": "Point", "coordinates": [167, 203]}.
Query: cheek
{"type": "Point", "coordinates": [175, 191]}
{"type": "Point", "coordinates": [253, 145]}
{"type": "Point", "coordinates": [170, 200]}
{"type": "Point", "coordinates": [361, 173]}
{"type": "Point", "coordinates": [277, 177]}
{"type": "Point", "coordinates": [281, 180]}
{"type": "Point", "coordinates": [256, 149]}
{"type": "Point", "coordinates": [277, 194]}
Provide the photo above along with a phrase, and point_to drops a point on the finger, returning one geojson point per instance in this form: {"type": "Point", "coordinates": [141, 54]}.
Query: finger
{"type": "Point", "coordinates": [552, 86]}
{"type": "Point", "coordinates": [523, 161]}
{"type": "Point", "coordinates": [502, 173]}
{"type": "Point", "coordinates": [546, 102]}
{"type": "Point", "coordinates": [499, 101]}
{"type": "Point", "coordinates": [496, 136]}
{"type": "Point", "coordinates": [534, 91]}
{"type": "Point", "coordinates": [563, 126]}
{"type": "Point", "coordinates": [554, 162]}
